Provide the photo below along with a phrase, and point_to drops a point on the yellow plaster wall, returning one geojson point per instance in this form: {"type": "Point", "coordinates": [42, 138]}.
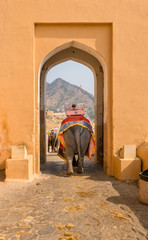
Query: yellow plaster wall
{"type": "Point", "coordinates": [93, 36]}
{"type": "Point", "coordinates": [129, 63]}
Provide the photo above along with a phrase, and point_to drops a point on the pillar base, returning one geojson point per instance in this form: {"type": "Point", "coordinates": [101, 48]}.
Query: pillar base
{"type": "Point", "coordinates": [19, 170]}
{"type": "Point", "coordinates": [143, 192]}
{"type": "Point", "coordinates": [126, 169]}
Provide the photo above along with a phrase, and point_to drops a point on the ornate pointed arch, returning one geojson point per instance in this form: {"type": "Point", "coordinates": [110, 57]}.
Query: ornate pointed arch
{"type": "Point", "coordinates": [88, 56]}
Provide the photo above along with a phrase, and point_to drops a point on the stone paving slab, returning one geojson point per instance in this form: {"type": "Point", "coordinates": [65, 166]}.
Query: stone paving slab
{"type": "Point", "coordinates": [91, 206]}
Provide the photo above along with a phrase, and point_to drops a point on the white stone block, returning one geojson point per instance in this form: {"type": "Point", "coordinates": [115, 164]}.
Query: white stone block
{"type": "Point", "coordinates": [19, 152]}
{"type": "Point", "coordinates": [128, 152]}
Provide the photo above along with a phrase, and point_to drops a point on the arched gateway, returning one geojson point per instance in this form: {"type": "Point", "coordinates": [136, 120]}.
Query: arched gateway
{"type": "Point", "coordinates": [111, 37]}
{"type": "Point", "coordinates": [89, 57]}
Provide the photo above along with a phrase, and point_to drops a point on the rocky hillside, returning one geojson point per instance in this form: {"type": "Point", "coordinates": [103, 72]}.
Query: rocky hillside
{"type": "Point", "coordinates": [60, 94]}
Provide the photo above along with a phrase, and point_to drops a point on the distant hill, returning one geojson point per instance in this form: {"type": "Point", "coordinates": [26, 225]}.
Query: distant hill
{"type": "Point", "coordinates": [60, 94]}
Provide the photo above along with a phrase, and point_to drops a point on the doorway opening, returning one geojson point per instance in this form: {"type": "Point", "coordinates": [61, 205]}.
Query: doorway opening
{"type": "Point", "coordinates": [67, 83]}
{"type": "Point", "coordinates": [75, 52]}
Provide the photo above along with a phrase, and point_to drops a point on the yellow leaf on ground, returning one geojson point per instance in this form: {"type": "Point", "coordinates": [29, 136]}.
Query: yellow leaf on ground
{"type": "Point", "coordinates": [67, 234]}
{"type": "Point", "coordinates": [77, 236]}
{"type": "Point", "coordinates": [118, 215]}
{"type": "Point", "coordinates": [75, 208]}
{"type": "Point", "coordinates": [70, 238]}
{"type": "Point", "coordinates": [61, 227]}
{"type": "Point", "coordinates": [69, 225]}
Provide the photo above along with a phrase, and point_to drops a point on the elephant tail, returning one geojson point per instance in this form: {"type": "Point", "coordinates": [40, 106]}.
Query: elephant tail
{"type": "Point", "coordinates": [78, 141]}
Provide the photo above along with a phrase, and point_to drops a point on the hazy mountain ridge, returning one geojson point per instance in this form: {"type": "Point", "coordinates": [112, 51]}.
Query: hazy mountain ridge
{"type": "Point", "coordinates": [60, 94]}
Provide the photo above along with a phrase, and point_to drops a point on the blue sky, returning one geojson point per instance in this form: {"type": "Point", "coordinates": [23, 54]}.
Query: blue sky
{"type": "Point", "coordinates": [74, 73]}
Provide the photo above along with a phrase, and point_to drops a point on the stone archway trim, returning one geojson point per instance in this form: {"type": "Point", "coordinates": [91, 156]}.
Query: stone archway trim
{"type": "Point", "coordinates": [107, 108]}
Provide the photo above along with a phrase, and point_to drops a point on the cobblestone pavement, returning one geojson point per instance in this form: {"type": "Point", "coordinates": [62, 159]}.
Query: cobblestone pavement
{"type": "Point", "coordinates": [91, 206]}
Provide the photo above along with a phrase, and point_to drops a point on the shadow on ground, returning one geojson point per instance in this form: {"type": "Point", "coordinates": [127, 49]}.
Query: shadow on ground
{"type": "Point", "coordinates": [128, 191]}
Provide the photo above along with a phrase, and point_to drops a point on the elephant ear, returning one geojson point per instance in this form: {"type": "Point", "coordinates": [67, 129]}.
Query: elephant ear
{"type": "Point", "coordinates": [91, 147]}
{"type": "Point", "coordinates": [61, 138]}
{"type": "Point", "coordinates": [61, 151]}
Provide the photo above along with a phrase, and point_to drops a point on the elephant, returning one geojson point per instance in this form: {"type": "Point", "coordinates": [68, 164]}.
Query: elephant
{"type": "Point", "coordinates": [53, 141]}
{"type": "Point", "coordinates": [77, 139]}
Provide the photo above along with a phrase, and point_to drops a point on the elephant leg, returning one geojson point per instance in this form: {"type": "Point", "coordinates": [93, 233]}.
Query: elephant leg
{"type": "Point", "coordinates": [78, 133]}
{"type": "Point", "coordinates": [69, 149]}
{"type": "Point", "coordinates": [69, 166]}
{"type": "Point", "coordinates": [83, 137]}
{"type": "Point", "coordinates": [81, 165]}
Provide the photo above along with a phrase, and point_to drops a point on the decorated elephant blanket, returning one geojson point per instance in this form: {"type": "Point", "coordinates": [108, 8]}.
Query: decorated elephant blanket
{"type": "Point", "coordinates": [69, 122]}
